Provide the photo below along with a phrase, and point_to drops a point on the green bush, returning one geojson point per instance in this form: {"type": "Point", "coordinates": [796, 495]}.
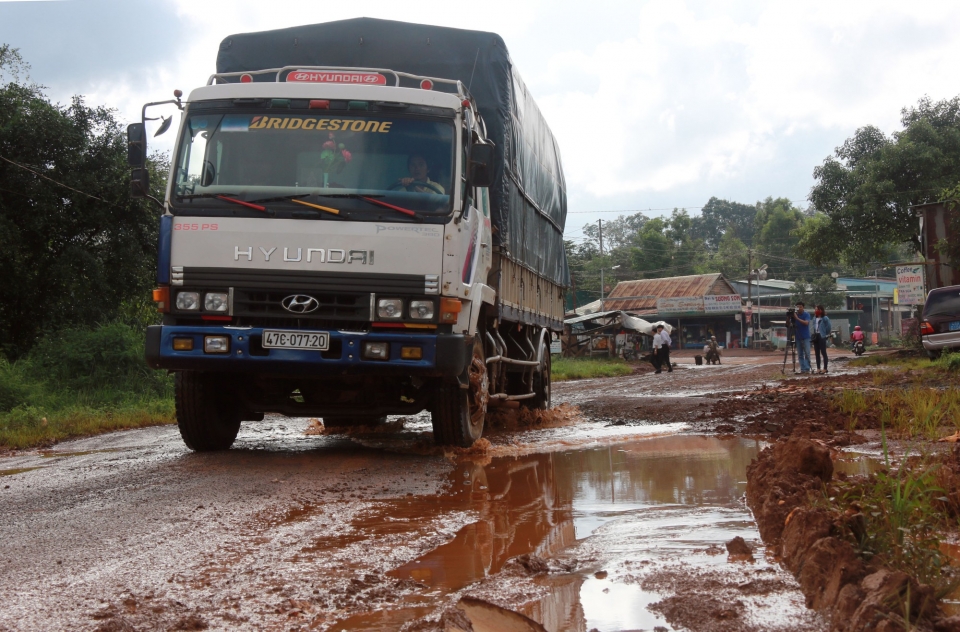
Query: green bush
{"type": "Point", "coordinates": [14, 388]}
{"type": "Point", "coordinates": [949, 361]}
{"type": "Point", "coordinates": [81, 382]}
{"type": "Point", "coordinates": [106, 358]}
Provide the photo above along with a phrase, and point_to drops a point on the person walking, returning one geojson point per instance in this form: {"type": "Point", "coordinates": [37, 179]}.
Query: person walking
{"type": "Point", "coordinates": [656, 344]}
{"type": "Point", "coordinates": [662, 342]}
{"type": "Point", "coordinates": [822, 327]}
{"type": "Point", "coordinates": [801, 327]}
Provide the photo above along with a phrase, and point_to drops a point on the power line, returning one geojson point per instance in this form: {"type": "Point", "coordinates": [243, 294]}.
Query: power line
{"type": "Point", "coordinates": [66, 186]}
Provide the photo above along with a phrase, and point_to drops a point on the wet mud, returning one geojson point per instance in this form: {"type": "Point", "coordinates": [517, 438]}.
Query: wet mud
{"type": "Point", "coordinates": [612, 512]}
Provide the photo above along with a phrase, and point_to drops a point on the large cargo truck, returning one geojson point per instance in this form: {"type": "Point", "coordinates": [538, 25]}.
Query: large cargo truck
{"type": "Point", "coordinates": [363, 218]}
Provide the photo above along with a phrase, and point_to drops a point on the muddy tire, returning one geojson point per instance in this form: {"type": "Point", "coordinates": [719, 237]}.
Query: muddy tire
{"type": "Point", "coordinates": [541, 381]}
{"type": "Point", "coordinates": [353, 422]}
{"type": "Point", "coordinates": [207, 414]}
{"type": "Point", "coordinates": [458, 414]}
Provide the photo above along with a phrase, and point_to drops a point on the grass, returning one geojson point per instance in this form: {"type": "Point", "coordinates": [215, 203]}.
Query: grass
{"type": "Point", "coordinates": [80, 383]}
{"type": "Point", "coordinates": [897, 517]}
{"type": "Point", "coordinates": [584, 368]}
{"type": "Point", "coordinates": [911, 412]}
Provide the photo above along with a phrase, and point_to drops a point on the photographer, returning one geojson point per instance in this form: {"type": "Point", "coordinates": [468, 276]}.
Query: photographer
{"type": "Point", "coordinates": [801, 324]}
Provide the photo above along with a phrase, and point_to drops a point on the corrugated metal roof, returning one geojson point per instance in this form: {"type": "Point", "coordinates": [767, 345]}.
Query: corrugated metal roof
{"type": "Point", "coordinates": [643, 293]}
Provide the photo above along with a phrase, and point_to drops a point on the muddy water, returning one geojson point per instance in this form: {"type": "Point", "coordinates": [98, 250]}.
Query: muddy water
{"type": "Point", "coordinates": [606, 518]}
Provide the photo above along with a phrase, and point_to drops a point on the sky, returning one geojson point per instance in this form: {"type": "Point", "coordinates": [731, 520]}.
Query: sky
{"type": "Point", "coordinates": [656, 105]}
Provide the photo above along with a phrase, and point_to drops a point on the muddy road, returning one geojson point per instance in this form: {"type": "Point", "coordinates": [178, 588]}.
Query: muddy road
{"type": "Point", "coordinates": [612, 514]}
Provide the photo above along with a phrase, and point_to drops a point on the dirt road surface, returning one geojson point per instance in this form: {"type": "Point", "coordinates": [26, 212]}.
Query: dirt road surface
{"type": "Point", "coordinates": [613, 514]}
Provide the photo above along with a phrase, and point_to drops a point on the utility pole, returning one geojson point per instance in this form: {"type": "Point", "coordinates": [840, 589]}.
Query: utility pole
{"type": "Point", "coordinates": [749, 297]}
{"type": "Point", "coordinates": [600, 223]}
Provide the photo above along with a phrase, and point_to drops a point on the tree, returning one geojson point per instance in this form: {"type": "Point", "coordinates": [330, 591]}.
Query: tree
{"type": "Point", "coordinates": [866, 189]}
{"type": "Point", "coordinates": [821, 291]}
{"type": "Point", "coordinates": [731, 258]}
{"type": "Point", "coordinates": [719, 218]}
{"type": "Point", "coordinates": [77, 250]}
{"type": "Point", "coordinates": [778, 226]}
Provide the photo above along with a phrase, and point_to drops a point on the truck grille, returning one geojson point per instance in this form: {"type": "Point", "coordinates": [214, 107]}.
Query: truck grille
{"type": "Point", "coordinates": [332, 306]}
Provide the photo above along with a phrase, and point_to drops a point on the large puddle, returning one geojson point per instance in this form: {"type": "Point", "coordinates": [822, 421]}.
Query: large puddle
{"type": "Point", "coordinates": [611, 514]}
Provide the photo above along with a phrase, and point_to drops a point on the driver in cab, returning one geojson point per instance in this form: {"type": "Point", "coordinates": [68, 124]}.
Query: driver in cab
{"type": "Point", "coordinates": [419, 180]}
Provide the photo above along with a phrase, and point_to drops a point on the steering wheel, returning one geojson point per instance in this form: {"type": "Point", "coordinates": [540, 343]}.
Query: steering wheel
{"type": "Point", "coordinates": [421, 183]}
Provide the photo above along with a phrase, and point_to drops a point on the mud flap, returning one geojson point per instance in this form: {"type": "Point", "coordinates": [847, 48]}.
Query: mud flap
{"type": "Point", "coordinates": [151, 351]}
{"type": "Point", "coordinates": [452, 353]}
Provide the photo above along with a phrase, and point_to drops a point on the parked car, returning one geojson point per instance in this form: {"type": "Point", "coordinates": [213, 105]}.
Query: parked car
{"type": "Point", "coordinates": [940, 323]}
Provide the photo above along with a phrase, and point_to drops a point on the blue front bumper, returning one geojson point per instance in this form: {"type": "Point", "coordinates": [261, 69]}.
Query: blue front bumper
{"type": "Point", "coordinates": [443, 354]}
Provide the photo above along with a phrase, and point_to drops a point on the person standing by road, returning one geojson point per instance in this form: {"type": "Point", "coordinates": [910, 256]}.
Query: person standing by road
{"type": "Point", "coordinates": [801, 327]}
{"type": "Point", "coordinates": [822, 327]}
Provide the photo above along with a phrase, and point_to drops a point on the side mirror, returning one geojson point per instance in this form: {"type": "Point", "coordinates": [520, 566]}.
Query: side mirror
{"type": "Point", "coordinates": [140, 183]}
{"type": "Point", "coordinates": [481, 164]}
{"type": "Point", "coordinates": [164, 126]}
{"type": "Point", "coordinates": [136, 145]}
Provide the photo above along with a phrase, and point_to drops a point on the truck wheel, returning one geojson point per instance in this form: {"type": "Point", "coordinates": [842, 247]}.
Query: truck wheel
{"type": "Point", "coordinates": [353, 422]}
{"type": "Point", "coordinates": [457, 413]}
{"type": "Point", "coordinates": [541, 382]}
{"type": "Point", "coordinates": [207, 416]}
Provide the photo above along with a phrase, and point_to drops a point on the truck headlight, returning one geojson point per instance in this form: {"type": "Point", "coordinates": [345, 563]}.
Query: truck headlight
{"type": "Point", "coordinates": [215, 301]}
{"type": "Point", "coordinates": [216, 344]}
{"type": "Point", "coordinates": [421, 310]}
{"type": "Point", "coordinates": [391, 308]}
{"type": "Point", "coordinates": [188, 301]}
{"type": "Point", "coordinates": [376, 350]}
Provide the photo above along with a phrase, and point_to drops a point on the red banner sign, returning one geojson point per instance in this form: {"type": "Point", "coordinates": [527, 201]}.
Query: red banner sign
{"type": "Point", "coordinates": [362, 78]}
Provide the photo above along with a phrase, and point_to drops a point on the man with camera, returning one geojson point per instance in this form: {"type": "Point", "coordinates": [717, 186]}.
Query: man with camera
{"type": "Point", "coordinates": [801, 326]}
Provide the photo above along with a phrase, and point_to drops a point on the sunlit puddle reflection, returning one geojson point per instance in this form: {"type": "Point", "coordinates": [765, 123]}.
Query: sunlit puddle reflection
{"type": "Point", "coordinates": [855, 464]}
{"type": "Point", "coordinates": [659, 499]}
{"type": "Point", "coordinates": [19, 470]}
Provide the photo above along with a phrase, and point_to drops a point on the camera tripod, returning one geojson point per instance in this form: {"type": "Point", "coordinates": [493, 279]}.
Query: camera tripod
{"type": "Point", "coordinates": [791, 348]}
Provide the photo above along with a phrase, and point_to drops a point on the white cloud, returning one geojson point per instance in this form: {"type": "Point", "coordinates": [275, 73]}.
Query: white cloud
{"type": "Point", "coordinates": [655, 104]}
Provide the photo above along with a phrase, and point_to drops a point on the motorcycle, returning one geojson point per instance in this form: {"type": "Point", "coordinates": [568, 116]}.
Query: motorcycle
{"type": "Point", "coordinates": [858, 347]}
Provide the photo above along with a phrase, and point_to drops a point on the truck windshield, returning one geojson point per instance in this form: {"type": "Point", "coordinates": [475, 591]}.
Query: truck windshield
{"type": "Point", "coordinates": [340, 159]}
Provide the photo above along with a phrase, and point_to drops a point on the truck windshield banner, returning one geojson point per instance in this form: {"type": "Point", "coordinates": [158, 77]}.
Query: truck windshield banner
{"type": "Point", "coordinates": [247, 123]}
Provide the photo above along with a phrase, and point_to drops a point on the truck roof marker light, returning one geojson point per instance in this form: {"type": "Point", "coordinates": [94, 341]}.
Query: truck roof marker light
{"type": "Point", "coordinates": [358, 105]}
{"type": "Point", "coordinates": [319, 104]}
{"type": "Point", "coordinates": [246, 78]}
{"type": "Point", "coordinates": [280, 103]}
{"type": "Point", "coordinates": [322, 208]}
{"type": "Point", "coordinates": [426, 84]}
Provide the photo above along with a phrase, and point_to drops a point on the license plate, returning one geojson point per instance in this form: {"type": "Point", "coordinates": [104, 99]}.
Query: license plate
{"type": "Point", "coordinates": [312, 340]}
{"type": "Point", "coordinates": [954, 326]}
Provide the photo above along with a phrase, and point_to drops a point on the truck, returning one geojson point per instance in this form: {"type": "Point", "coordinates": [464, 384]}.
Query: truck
{"type": "Point", "coordinates": [362, 218]}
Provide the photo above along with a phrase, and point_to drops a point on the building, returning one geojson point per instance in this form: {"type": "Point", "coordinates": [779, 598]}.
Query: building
{"type": "Point", "coordinates": [699, 306]}
{"type": "Point", "coordinates": [937, 224]}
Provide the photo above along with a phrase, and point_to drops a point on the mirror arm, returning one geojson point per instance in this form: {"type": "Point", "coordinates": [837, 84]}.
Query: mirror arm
{"type": "Point", "coordinates": [156, 201]}
{"type": "Point", "coordinates": [143, 112]}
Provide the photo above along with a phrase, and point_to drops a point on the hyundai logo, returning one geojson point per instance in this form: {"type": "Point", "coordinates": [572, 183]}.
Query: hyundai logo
{"type": "Point", "coordinates": [300, 304]}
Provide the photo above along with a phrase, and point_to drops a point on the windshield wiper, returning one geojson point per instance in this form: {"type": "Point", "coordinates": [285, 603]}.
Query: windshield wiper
{"type": "Point", "coordinates": [224, 197]}
{"type": "Point", "coordinates": [293, 198]}
{"type": "Point", "coordinates": [372, 200]}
